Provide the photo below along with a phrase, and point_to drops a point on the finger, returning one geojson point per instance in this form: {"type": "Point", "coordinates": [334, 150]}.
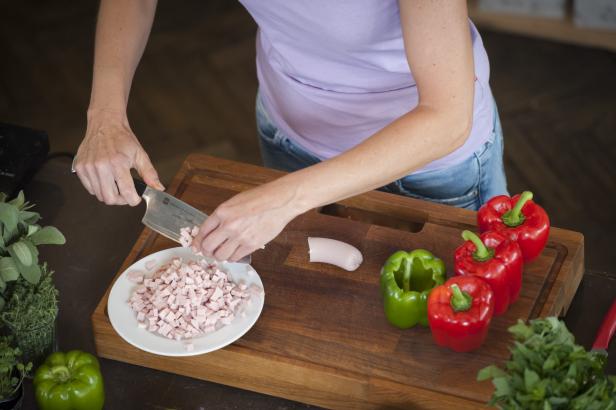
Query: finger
{"type": "Point", "coordinates": [126, 186]}
{"type": "Point", "coordinates": [240, 252]}
{"type": "Point", "coordinates": [226, 249]}
{"type": "Point", "coordinates": [120, 201]}
{"type": "Point", "coordinates": [208, 226]}
{"type": "Point", "coordinates": [146, 170]}
{"type": "Point", "coordinates": [79, 170]}
{"type": "Point", "coordinates": [92, 176]}
{"type": "Point", "coordinates": [109, 190]}
{"type": "Point", "coordinates": [213, 240]}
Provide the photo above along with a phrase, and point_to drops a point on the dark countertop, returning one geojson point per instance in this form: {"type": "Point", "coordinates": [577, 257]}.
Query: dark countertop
{"type": "Point", "coordinates": [99, 237]}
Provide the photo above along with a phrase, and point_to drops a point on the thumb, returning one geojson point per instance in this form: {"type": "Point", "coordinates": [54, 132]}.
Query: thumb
{"type": "Point", "coordinates": [144, 167]}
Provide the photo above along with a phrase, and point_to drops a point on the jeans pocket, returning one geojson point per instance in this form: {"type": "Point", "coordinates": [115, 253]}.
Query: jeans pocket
{"type": "Point", "coordinates": [456, 186]}
{"type": "Point", "coordinates": [297, 151]}
{"type": "Point", "coordinates": [265, 127]}
{"type": "Point", "coordinates": [485, 152]}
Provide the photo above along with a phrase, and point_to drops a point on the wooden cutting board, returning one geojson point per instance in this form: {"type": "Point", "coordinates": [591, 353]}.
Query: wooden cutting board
{"type": "Point", "coordinates": [322, 337]}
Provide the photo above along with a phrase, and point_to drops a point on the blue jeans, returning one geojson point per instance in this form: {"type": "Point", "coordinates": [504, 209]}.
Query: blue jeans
{"type": "Point", "coordinates": [466, 185]}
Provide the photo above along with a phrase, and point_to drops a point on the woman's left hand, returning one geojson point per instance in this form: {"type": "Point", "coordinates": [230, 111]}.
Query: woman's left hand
{"type": "Point", "coordinates": [246, 222]}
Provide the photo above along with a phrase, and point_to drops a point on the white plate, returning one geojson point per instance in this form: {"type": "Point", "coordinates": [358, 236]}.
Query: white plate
{"type": "Point", "coordinates": [124, 320]}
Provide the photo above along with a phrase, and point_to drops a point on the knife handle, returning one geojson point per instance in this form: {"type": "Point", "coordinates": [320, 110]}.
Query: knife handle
{"type": "Point", "coordinates": [606, 331]}
{"type": "Point", "coordinates": [140, 186]}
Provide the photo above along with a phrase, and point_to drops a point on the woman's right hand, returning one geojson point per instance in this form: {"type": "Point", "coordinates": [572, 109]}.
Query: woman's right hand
{"type": "Point", "coordinates": [106, 156]}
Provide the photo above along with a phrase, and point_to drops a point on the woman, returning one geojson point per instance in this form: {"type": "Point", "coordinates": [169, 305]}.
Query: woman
{"type": "Point", "coordinates": [354, 95]}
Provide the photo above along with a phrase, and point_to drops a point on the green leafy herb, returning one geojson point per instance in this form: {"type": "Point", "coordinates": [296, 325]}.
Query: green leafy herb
{"type": "Point", "coordinates": [20, 251]}
{"type": "Point", "coordinates": [30, 314]}
{"type": "Point", "coordinates": [19, 238]}
{"type": "Point", "coordinates": [548, 371]}
{"type": "Point", "coordinates": [48, 235]}
{"type": "Point", "coordinates": [8, 269]}
{"type": "Point", "coordinates": [12, 370]}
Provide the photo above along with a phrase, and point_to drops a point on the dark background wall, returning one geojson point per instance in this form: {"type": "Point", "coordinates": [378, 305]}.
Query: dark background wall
{"type": "Point", "coordinates": [195, 89]}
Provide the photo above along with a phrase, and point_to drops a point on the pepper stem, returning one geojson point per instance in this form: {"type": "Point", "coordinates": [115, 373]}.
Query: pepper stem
{"type": "Point", "coordinates": [61, 373]}
{"type": "Point", "coordinates": [406, 277]}
{"type": "Point", "coordinates": [460, 301]}
{"type": "Point", "coordinates": [515, 217]}
{"type": "Point", "coordinates": [482, 252]}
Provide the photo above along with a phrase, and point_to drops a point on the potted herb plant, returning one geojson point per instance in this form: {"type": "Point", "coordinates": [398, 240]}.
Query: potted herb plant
{"type": "Point", "coordinates": [30, 314]}
{"type": "Point", "coordinates": [28, 297]}
{"type": "Point", "coordinates": [12, 373]}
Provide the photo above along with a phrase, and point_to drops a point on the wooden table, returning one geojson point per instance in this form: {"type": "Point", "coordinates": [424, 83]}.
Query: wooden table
{"type": "Point", "coordinates": [85, 268]}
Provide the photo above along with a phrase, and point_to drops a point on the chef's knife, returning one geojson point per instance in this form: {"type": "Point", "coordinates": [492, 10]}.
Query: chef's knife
{"type": "Point", "coordinates": [606, 331]}
{"type": "Point", "coordinates": [167, 215]}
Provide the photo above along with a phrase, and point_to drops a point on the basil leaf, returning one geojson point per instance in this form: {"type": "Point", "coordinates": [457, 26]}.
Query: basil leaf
{"type": "Point", "coordinates": [502, 386]}
{"type": "Point", "coordinates": [48, 235]}
{"type": "Point", "coordinates": [8, 217]}
{"type": "Point", "coordinates": [531, 379]}
{"type": "Point", "coordinates": [8, 269]}
{"type": "Point", "coordinates": [490, 372]}
{"type": "Point", "coordinates": [29, 217]}
{"type": "Point", "coordinates": [551, 362]}
{"type": "Point", "coordinates": [32, 229]}
{"type": "Point", "coordinates": [30, 273]}
{"type": "Point", "coordinates": [20, 251]}
{"type": "Point", "coordinates": [520, 330]}
{"type": "Point", "coordinates": [18, 201]}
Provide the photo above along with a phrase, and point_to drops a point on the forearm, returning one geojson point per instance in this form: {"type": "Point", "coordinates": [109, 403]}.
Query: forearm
{"type": "Point", "coordinates": [122, 32]}
{"type": "Point", "coordinates": [405, 145]}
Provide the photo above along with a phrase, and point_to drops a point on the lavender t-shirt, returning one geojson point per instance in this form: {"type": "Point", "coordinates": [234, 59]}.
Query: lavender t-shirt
{"type": "Point", "coordinates": [334, 72]}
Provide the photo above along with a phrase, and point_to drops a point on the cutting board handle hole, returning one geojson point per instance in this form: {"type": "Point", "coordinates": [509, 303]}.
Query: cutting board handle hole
{"type": "Point", "coordinates": [413, 224]}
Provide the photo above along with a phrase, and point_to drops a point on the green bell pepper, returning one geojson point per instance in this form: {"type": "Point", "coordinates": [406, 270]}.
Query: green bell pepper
{"type": "Point", "coordinates": [406, 281]}
{"type": "Point", "coordinates": [69, 381]}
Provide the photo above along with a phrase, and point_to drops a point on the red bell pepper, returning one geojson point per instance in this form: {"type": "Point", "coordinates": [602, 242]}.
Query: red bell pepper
{"type": "Point", "coordinates": [522, 220]}
{"type": "Point", "coordinates": [495, 259]}
{"type": "Point", "coordinates": [459, 313]}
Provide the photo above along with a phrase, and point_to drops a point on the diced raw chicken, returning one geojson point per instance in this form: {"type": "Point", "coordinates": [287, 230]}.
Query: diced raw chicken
{"type": "Point", "coordinates": [149, 265]}
{"type": "Point", "coordinates": [227, 320]}
{"type": "Point", "coordinates": [187, 234]}
{"type": "Point", "coordinates": [182, 300]}
{"type": "Point", "coordinates": [135, 276]}
{"type": "Point", "coordinates": [218, 292]}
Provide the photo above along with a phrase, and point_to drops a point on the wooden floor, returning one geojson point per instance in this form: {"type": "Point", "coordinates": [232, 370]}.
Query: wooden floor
{"type": "Point", "coordinates": [195, 89]}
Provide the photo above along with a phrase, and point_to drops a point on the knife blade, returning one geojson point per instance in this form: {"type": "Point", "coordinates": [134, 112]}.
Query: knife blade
{"type": "Point", "coordinates": [167, 215]}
